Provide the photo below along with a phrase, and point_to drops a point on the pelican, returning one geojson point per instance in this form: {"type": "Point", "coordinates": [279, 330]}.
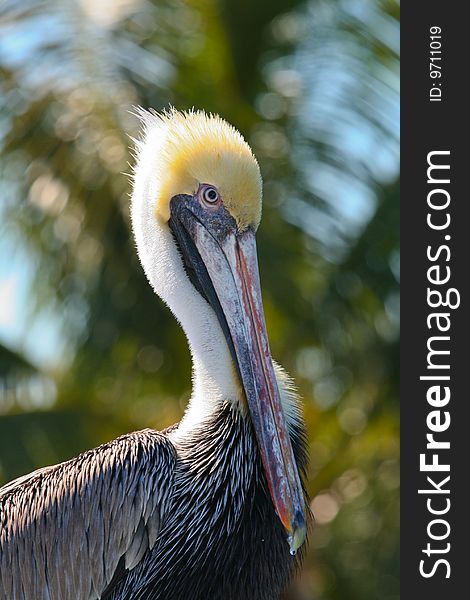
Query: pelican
{"type": "Point", "coordinates": [214, 507]}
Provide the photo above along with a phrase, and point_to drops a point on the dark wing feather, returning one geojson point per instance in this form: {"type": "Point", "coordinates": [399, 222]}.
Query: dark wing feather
{"type": "Point", "coordinates": [67, 532]}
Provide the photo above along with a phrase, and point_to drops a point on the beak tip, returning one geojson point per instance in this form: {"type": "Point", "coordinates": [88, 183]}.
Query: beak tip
{"type": "Point", "coordinates": [299, 533]}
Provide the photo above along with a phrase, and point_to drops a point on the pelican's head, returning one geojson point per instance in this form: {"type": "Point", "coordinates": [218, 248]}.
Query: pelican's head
{"type": "Point", "coordinates": [196, 206]}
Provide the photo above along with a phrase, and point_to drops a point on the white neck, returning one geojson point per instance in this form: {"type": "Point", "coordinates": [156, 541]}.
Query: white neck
{"type": "Point", "coordinates": [214, 376]}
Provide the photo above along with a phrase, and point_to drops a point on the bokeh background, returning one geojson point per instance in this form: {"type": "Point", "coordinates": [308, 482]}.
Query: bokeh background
{"type": "Point", "coordinates": [86, 350]}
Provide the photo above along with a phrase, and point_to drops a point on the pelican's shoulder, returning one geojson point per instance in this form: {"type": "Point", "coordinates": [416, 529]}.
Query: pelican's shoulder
{"type": "Point", "coordinates": [94, 517]}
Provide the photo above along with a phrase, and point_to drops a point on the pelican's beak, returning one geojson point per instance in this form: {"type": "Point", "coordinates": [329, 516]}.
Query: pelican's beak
{"type": "Point", "coordinates": [223, 266]}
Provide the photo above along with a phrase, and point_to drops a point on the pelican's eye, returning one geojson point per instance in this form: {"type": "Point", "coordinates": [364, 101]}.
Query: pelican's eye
{"type": "Point", "coordinates": [209, 194]}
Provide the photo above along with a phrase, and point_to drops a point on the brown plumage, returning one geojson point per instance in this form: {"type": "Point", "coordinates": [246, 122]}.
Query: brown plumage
{"type": "Point", "coordinates": [64, 529]}
{"type": "Point", "coordinates": [144, 518]}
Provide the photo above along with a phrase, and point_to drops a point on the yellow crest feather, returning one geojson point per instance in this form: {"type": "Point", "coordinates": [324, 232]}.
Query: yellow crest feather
{"type": "Point", "coordinates": [200, 148]}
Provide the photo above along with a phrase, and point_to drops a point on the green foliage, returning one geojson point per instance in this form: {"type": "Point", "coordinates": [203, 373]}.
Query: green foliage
{"type": "Point", "coordinates": [313, 87]}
